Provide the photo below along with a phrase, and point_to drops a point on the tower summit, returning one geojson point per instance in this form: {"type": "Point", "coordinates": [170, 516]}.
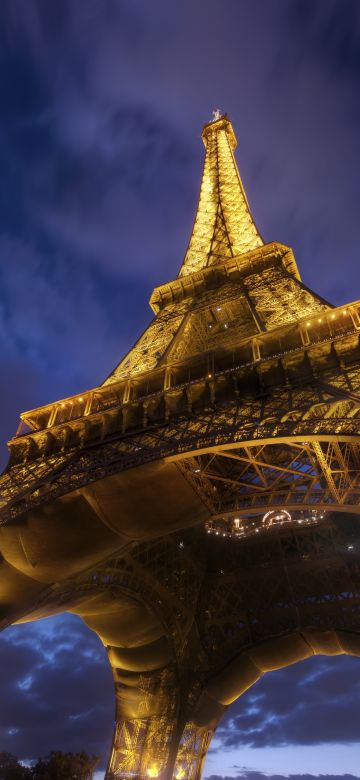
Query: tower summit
{"type": "Point", "coordinates": [199, 510]}
{"type": "Point", "coordinates": [224, 249]}
{"type": "Point", "coordinates": [224, 226]}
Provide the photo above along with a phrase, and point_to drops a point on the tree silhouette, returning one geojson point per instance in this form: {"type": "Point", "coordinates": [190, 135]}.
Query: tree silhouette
{"type": "Point", "coordinates": [10, 769]}
{"type": "Point", "coordinates": [65, 766]}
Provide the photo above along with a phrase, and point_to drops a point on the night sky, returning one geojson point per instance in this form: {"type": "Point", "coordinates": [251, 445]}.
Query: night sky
{"type": "Point", "coordinates": [101, 108]}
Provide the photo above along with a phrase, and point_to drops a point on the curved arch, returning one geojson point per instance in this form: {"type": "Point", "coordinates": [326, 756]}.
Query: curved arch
{"type": "Point", "coordinates": [143, 607]}
{"type": "Point", "coordinates": [239, 675]}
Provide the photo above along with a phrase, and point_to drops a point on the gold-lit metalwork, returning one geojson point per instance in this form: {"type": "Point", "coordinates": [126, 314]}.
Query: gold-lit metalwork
{"type": "Point", "coordinates": [199, 509]}
{"type": "Point", "coordinates": [224, 226]}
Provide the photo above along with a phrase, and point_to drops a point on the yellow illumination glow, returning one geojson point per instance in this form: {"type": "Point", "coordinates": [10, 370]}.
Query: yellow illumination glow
{"type": "Point", "coordinates": [180, 773]}
{"type": "Point", "coordinates": [333, 316]}
{"type": "Point", "coordinates": [345, 311]}
{"type": "Point", "coordinates": [152, 771]}
{"type": "Point", "coordinates": [308, 324]}
{"type": "Point", "coordinates": [319, 320]}
{"type": "Point", "coordinates": [223, 207]}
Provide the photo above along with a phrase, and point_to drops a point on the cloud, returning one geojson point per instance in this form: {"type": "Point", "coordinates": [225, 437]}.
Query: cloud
{"type": "Point", "coordinates": [309, 704]}
{"type": "Point", "coordinates": [253, 775]}
{"type": "Point", "coordinates": [58, 689]}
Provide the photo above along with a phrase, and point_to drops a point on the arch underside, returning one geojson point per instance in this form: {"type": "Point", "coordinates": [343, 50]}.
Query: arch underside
{"type": "Point", "coordinates": [185, 637]}
{"type": "Point", "coordinates": [305, 601]}
{"type": "Point", "coordinates": [273, 603]}
{"type": "Point", "coordinates": [185, 617]}
{"type": "Point", "coordinates": [329, 431]}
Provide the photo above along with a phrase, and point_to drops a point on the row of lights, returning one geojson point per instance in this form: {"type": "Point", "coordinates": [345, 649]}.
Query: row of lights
{"type": "Point", "coordinates": [226, 325]}
{"type": "Point", "coordinates": [332, 316]}
{"type": "Point", "coordinates": [71, 402]}
{"type": "Point", "coordinates": [308, 324]}
{"type": "Point", "coordinates": [238, 528]}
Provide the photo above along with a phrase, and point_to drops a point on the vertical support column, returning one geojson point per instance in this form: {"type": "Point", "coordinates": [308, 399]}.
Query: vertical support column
{"type": "Point", "coordinates": [147, 728]}
{"type": "Point", "coordinates": [193, 747]}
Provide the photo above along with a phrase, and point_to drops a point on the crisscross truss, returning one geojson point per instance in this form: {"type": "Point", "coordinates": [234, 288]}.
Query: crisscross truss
{"type": "Point", "coordinates": [224, 225]}
{"type": "Point", "coordinates": [298, 476]}
{"type": "Point", "coordinates": [192, 751]}
{"type": "Point", "coordinates": [141, 745]}
{"type": "Point", "coordinates": [247, 382]}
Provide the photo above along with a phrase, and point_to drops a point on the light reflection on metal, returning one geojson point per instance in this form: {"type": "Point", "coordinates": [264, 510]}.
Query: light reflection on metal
{"type": "Point", "coordinates": [152, 771]}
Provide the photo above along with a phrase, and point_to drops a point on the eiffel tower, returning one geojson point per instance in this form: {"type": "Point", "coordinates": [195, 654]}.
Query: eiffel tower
{"type": "Point", "coordinates": [199, 509]}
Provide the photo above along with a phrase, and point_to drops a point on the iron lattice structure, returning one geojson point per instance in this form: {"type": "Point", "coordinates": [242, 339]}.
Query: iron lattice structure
{"type": "Point", "coordinates": [139, 505]}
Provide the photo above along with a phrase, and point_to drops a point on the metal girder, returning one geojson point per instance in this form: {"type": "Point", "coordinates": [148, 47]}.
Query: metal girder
{"type": "Point", "coordinates": [250, 479]}
{"type": "Point", "coordinates": [249, 382]}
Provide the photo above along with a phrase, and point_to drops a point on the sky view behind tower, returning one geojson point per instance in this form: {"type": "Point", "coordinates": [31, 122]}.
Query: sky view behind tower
{"type": "Point", "coordinates": [102, 105]}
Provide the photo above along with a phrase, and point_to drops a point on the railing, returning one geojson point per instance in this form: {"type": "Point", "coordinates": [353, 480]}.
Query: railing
{"type": "Point", "coordinates": [332, 325]}
{"type": "Point", "coordinates": [240, 528]}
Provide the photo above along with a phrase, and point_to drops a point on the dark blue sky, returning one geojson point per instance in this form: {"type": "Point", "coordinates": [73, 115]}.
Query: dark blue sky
{"type": "Point", "coordinates": [101, 108]}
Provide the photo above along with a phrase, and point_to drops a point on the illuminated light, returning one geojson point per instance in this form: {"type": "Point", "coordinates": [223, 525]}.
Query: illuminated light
{"type": "Point", "coordinates": [319, 320]}
{"type": "Point", "coordinates": [209, 376]}
{"type": "Point", "coordinates": [237, 522]}
{"type": "Point", "coordinates": [218, 308]}
{"type": "Point", "coordinates": [308, 324]}
{"type": "Point", "coordinates": [81, 399]}
{"type": "Point", "coordinates": [152, 771]}
{"type": "Point", "coordinates": [345, 311]}
{"type": "Point", "coordinates": [273, 516]}
{"type": "Point", "coordinates": [350, 546]}
{"type": "Point", "coordinates": [180, 774]}
{"type": "Point", "coordinates": [226, 325]}
{"type": "Point", "coordinates": [210, 325]}
{"type": "Point", "coordinates": [333, 316]}
{"type": "Point", "coordinates": [62, 406]}
{"type": "Point", "coordinates": [196, 471]}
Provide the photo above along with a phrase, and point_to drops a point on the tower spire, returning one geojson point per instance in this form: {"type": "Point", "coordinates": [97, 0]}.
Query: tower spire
{"type": "Point", "coordinates": [224, 226]}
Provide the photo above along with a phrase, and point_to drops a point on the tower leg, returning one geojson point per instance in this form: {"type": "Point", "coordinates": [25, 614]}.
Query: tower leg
{"type": "Point", "coordinates": [146, 732]}
{"type": "Point", "coordinates": [153, 736]}
{"type": "Point", "coordinates": [192, 751]}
